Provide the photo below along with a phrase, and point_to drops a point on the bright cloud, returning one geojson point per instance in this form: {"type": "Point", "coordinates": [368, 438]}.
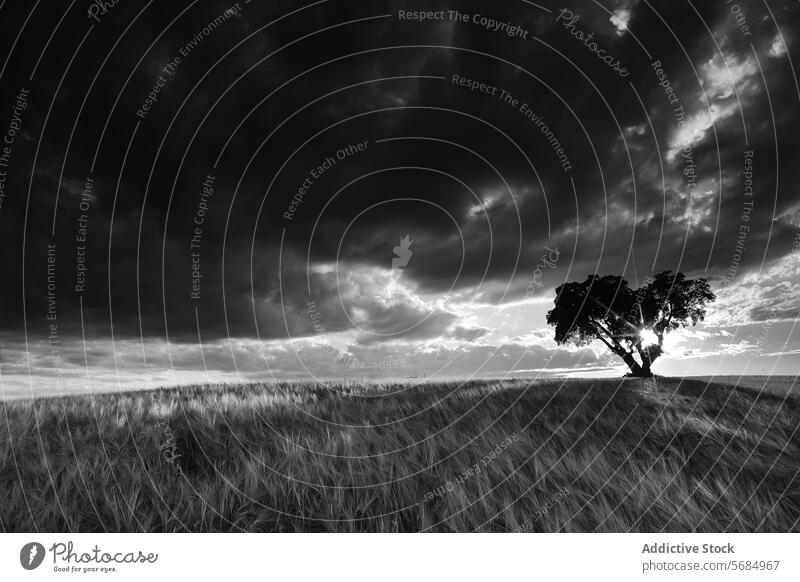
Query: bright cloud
{"type": "Point", "coordinates": [778, 46]}
{"type": "Point", "coordinates": [620, 19]}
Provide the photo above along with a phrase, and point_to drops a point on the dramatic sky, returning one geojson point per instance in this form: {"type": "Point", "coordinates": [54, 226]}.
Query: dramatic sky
{"type": "Point", "coordinates": [210, 191]}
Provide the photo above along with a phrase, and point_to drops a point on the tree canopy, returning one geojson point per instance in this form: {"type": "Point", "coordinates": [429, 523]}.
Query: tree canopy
{"type": "Point", "coordinates": [631, 323]}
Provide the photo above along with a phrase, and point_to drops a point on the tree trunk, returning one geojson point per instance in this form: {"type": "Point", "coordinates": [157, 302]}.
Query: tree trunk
{"type": "Point", "coordinates": [647, 362]}
{"type": "Point", "coordinates": [636, 369]}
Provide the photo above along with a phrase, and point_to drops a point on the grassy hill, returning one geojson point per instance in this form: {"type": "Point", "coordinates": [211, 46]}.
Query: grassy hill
{"type": "Point", "coordinates": [573, 455]}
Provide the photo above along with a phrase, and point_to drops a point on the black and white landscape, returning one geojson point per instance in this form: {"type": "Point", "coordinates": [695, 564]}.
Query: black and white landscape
{"type": "Point", "coordinates": [400, 266]}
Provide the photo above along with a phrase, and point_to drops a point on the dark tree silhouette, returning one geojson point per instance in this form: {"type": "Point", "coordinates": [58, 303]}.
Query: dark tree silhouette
{"type": "Point", "coordinates": [630, 323]}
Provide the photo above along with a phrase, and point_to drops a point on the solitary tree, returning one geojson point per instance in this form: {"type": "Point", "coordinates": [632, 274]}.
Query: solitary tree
{"type": "Point", "coordinates": [630, 323]}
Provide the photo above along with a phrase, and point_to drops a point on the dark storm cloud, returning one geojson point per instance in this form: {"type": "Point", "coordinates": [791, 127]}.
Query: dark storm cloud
{"type": "Point", "coordinates": [477, 185]}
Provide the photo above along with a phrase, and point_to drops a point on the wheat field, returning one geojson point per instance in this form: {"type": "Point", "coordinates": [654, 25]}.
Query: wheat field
{"type": "Point", "coordinates": [672, 455]}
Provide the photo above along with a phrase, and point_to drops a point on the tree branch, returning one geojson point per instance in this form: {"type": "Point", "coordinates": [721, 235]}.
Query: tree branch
{"type": "Point", "coordinates": [608, 345]}
{"type": "Point", "coordinates": [609, 310]}
{"type": "Point", "coordinates": [617, 348]}
{"type": "Point", "coordinates": [646, 361]}
{"type": "Point", "coordinates": [660, 328]}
